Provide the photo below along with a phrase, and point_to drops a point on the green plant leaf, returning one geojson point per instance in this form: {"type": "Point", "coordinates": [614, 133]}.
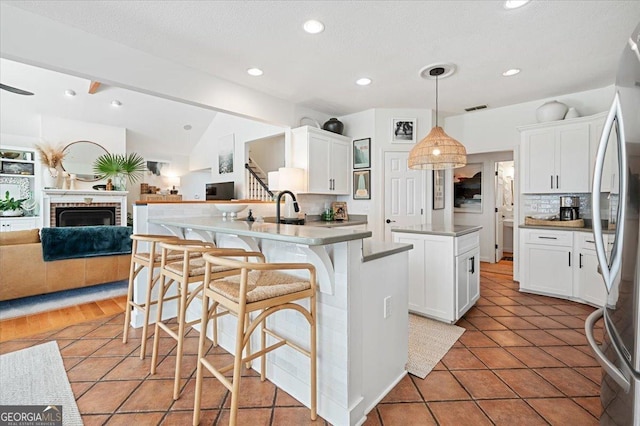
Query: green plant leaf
{"type": "Point", "coordinates": [132, 165]}
{"type": "Point", "coordinates": [9, 203]}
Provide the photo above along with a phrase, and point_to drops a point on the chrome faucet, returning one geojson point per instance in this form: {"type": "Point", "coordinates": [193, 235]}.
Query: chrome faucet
{"type": "Point", "coordinates": [295, 203]}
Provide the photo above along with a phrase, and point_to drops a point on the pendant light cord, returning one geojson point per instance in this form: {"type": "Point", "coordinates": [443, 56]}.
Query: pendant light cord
{"type": "Point", "coordinates": [436, 100]}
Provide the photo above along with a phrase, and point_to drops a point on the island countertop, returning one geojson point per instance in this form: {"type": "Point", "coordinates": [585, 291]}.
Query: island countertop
{"type": "Point", "coordinates": [308, 235]}
{"type": "Point", "coordinates": [447, 231]}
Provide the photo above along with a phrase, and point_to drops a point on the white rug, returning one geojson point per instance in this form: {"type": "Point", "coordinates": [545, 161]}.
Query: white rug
{"type": "Point", "coordinates": [36, 376]}
{"type": "Point", "coordinates": [61, 299]}
{"type": "Point", "coordinates": [429, 341]}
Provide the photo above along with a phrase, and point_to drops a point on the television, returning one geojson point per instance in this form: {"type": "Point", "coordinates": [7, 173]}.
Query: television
{"type": "Point", "coordinates": [220, 191]}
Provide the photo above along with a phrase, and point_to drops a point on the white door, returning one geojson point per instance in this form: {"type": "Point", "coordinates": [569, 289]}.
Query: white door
{"type": "Point", "coordinates": [404, 193]}
{"type": "Point", "coordinates": [499, 214]}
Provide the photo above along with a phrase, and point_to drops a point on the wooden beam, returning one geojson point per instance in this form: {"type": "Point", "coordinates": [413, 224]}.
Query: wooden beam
{"type": "Point", "coordinates": [93, 87]}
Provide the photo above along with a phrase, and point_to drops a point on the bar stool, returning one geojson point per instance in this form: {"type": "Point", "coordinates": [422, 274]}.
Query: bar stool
{"type": "Point", "coordinates": [139, 261]}
{"type": "Point", "coordinates": [188, 275]}
{"type": "Point", "coordinates": [260, 287]}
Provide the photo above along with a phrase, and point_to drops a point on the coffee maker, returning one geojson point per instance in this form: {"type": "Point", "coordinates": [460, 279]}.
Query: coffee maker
{"type": "Point", "coordinates": [569, 208]}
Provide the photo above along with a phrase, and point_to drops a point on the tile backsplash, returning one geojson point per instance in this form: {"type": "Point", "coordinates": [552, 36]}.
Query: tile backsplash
{"type": "Point", "coordinates": [550, 204]}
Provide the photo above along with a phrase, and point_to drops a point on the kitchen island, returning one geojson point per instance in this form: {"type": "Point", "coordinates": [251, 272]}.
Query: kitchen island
{"type": "Point", "coordinates": [444, 269]}
{"type": "Point", "coordinates": [362, 305]}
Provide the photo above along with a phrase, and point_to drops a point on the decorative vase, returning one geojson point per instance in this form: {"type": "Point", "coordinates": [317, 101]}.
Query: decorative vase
{"type": "Point", "coordinates": [334, 125]}
{"type": "Point", "coordinates": [50, 178]}
{"type": "Point", "coordinates": [120, 182]}
{"type": "Point", "coordinates": [572, 113]}
{"type": "Point", "coordinates": [551, 111]}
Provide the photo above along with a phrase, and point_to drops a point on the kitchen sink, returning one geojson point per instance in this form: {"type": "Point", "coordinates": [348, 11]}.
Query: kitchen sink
{"type": "Point", "coordinates": [285, 221]}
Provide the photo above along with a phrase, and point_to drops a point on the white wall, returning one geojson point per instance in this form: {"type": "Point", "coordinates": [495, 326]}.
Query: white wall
{"type": "Point", "coordinates": [205, 153]}
{"type": "Point", "coordinates": [268, 153]}
{"type": "Point", "coordinates": [495, 129]}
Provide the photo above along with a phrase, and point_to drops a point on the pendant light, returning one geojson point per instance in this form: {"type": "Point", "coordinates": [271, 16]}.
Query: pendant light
{"type": "Point", "coordinates": [437, 150]}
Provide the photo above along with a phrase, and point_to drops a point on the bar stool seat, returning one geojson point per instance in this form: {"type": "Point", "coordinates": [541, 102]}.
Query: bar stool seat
{"type": "Point", "coordinates": [187, 275]}
{"type": "Point", "coordinates": [263, 289]}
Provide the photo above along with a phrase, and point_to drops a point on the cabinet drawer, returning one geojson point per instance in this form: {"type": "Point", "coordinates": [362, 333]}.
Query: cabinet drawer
{"type": "Point", "coordinates": [586, 241]}
{"type": "Point", "coordinates": [466, 242]}
{"type": "Point", "coordinates": [551, 238]}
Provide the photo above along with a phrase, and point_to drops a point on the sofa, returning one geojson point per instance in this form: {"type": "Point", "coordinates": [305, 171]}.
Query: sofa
{"type": "Point", "coordinates": [24, 271]}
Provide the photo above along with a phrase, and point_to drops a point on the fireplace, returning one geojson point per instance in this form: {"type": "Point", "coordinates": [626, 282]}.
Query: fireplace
{"type": "Point", "coordinates": [85, 216]}
{"type": "Point", "coordinates": [62, 207]}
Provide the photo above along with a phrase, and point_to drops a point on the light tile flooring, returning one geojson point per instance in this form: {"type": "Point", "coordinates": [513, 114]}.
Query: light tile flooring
{"type": "Point", "coordinates": [523, 360]}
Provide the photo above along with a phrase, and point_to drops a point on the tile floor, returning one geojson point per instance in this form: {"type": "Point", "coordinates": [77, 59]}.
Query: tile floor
{"type": "Point", "coordinates": [523, 360]}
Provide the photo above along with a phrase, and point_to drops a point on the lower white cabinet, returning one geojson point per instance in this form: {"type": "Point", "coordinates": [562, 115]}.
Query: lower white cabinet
{"type": "Point", "coordinates": [561, 263]}
{"type": "Point", "coordinates": [17, 224]}
{"type": "Point", "coordinates": [444, 274]}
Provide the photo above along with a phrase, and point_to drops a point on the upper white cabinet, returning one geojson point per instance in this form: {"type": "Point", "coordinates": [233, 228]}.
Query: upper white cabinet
{"type": "Point", "coordinates": [555, 157]}
{"type": "Point", "coordinates": [326, 158]}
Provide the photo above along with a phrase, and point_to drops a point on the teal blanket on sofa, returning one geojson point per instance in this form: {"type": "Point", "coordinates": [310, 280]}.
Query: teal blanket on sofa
{"type": "Point", "coordinates": [71, 242]}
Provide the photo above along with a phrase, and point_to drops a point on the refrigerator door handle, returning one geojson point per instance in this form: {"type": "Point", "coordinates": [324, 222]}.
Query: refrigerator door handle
{"type": "Point", "coordinates": [604, 362]}
{"type": "Point", "coordinates": [609, 272]}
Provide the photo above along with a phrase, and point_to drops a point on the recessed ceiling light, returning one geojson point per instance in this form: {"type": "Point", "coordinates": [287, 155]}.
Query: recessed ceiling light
{"type": "Point", "coordinates": [364, 81]}
{"type": "Point", "coordinates": [70, 92]}
{"type": "Point", "coordinates": [256, 72]}
{"type": "Point", "coordinates": [187, 127]}
{"type": "Point", "coordinates": [116, 103]}
{"type": "Point", "coordinates": [313, 27]}
{"type": "Point", "coordinates": [512, 71]}
{"type": "Point", "coordinates": [514, 4]}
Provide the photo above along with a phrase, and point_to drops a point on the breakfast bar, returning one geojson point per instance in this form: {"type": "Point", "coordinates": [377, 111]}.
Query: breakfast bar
{"type": "Point", "coordinates": [362, 305]}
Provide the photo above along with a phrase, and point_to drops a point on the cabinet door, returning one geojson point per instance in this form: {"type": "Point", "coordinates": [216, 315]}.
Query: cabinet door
{"type": "Point", "coordinates": [319, 164]}
{"type": "Point", "coordinates": [340, 159]}
{"type": "Point", "coordinates": [547, 269]}
{"type": "Point", "coordinates": [467, 281]}
{"type": "Point", "coordinates": [589, 284]}
{"type": "Point", "coordinates": [7, 225]}
{"type": "Point", "coordinates": [539, 161]}
{"type": "Point", "coordinates": [610, 181]}
{"type": "Point", "coordinates": [572, 158]}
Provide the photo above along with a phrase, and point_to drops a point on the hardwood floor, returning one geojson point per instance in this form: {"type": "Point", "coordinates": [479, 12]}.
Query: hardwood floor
{"type": "Point", "coordinates": [15, 328]}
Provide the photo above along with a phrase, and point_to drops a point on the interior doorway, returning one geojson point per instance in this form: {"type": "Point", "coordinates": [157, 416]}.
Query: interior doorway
{"type": "Point", "coordinates": [504, 205]}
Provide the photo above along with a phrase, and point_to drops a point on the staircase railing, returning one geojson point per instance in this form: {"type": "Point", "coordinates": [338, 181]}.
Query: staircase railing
{"type": "Point", "coordinates": [257, 189]}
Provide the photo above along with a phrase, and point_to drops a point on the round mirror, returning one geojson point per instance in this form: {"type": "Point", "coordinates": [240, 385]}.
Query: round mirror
{"type": "Point", "coordinates": [79, 157]}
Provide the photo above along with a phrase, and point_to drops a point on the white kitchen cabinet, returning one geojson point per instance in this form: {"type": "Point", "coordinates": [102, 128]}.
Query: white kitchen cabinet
{"type": "Point", "coordinates": [588, 283]}
{"type": "Point", "coordinates": [561, 263]}
{"type": "Point", "coordinates": [17, 223]}
{"type": "Point", "coordinates": [444, 273]}
{"type": "Point", "coordinates": [326, 158]}
{"type": "Point", "coordinates": [555, 158]}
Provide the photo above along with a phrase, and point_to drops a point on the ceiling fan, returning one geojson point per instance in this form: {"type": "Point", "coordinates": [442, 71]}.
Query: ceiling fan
{"type": "Point", "coordinates": [15, 90]}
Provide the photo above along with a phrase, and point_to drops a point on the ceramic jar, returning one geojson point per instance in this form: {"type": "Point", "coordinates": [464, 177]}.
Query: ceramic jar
{"type": "Point", "coordinates": [551, 111]}
{"type": "Point", "coordinates": [334, 125]}
{"type": "Point", "coordinates": [572, 113]}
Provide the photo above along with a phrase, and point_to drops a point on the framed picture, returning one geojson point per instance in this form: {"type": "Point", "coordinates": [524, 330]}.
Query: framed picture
{"type": "Point", "coordinates": [467, 189]}
{"type": "Point", "coordinates": [362, 153]}
{"type": "Point", "coordinates": [226, 148]}
{"type": "Point", "coordinates": [438, 189]}
{"type": "Point", "coordinates": [362, 185]}
{"type": "Point", "coordinates": [339, 210]}
{"type": "Point", "coordinates": [403, 130]}
{"type": "Point", "coordinates": [155, 168]}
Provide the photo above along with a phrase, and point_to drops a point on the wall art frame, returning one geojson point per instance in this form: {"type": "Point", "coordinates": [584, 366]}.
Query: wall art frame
{"type": "Point", "coordinates": [362, 185]}
{"type": "Point", "coordinates": [403, 130]}
{"type": "Point", "coordinates": [438, 189]}
{"type": "Point", "coordinates": [362, 153]}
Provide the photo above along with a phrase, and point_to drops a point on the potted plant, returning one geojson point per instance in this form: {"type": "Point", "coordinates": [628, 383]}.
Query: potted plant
{"type": "Point", "coordinates": [10, 206]}
{"type": "Point", "coordinates": [120, 167]}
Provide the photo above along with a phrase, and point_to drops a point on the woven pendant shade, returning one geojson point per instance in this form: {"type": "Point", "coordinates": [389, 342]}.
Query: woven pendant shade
{"type": "Point", "coordinates": [437, 151]}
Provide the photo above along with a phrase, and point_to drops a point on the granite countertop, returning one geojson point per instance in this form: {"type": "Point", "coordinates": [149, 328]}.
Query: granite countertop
{"type": "Point", "coordinates": [353, 220]}
{"type": "Point", "coordinates": [307, 235]}
{"type": "Point", "coordinates": [588, 229]}
{"type": "Point", "coordinates": [447, 231]}
{"type": "Point", "coordinates": [372, 250]}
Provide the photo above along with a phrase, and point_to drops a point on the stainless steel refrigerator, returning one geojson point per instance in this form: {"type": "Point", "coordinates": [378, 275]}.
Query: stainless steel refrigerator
{"type": "Point", "coordinates": [616, 223]}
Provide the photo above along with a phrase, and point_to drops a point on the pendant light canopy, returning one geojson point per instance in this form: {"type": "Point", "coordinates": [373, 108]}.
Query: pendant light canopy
{"type": "Point", "coordinates": [437, 150]}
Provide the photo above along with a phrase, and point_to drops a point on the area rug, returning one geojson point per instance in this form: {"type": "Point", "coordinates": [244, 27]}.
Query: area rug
{"type": "Point", "coordinates": [429, 341]}
{"type": "Point", "coordinates": [36, 376]}
{"type": "Point", "coordinates": [61, 299]}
